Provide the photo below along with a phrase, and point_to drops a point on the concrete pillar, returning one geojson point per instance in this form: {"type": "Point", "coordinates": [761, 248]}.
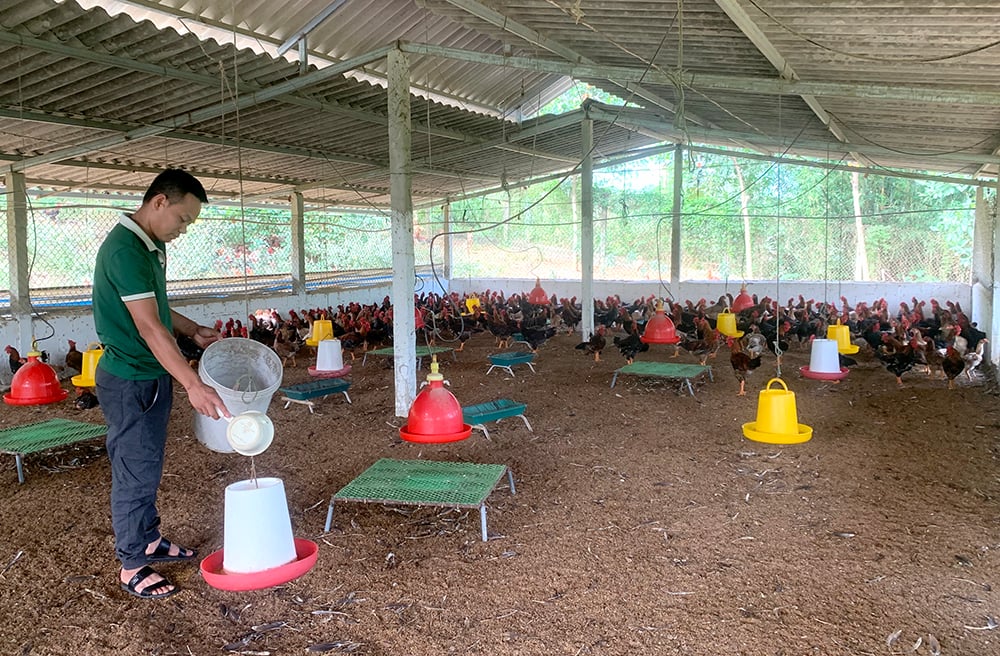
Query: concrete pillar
{"type": "Point", "coordinates": [446, 229]}
{"type": "Point", "coordinates": [401, 203]}
{"type": "Point", "coordinates": [587, 227]}
{"type": "Point", "coordinates": [675, 231]}
{"type": "Point", "coordinates": [19, 264]}
{"type": "Point", "coordinates": [298, 246]}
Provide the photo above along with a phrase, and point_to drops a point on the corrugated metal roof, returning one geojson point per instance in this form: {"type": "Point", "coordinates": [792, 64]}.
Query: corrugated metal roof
{"type": "Point", "coordinates": [104, 95]}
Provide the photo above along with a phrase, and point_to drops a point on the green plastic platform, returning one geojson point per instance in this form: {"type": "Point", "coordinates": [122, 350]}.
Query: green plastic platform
{"type": "Point", "coordinates": [421, 352]}
{"type": "Point", "coordinates": [479, 415]}
{"type": "Point", "coordinates": [39, 436]}
{"type": "Point", "coordinates": [509, 359]}
{"type": "Point", "coordinates": [424, 483]}
{"type": "Point", "coordinates": [684, 372]}
{"type": "Point", "coordinates": [304, 392]}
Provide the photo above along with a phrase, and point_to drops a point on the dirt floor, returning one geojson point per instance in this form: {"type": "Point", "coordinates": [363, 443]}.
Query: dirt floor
{"type": "Point", "coordinates": [643, 523]}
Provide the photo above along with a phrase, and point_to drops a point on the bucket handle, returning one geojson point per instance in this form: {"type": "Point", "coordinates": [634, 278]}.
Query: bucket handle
{"type": "Point", "coordinates": [776, 380]}
{"type": "Point", "coordinates": [100, 347]}
{"type": "Point", "coordinates": [248, 391]}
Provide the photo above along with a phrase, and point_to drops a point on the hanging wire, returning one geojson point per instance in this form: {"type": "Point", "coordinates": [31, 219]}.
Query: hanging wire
{"type": "Point", "coordinates": [777, 262]}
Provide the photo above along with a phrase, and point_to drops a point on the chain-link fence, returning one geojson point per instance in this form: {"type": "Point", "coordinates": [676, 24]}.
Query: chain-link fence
{"type": "Point", "coordinates": [794, 223]}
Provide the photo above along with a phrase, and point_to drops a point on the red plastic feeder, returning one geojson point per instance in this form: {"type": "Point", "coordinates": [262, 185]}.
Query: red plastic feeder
{"type": "Point", "coordinates": [660, 329]}
{"type": "Point", "coordinates": [35, 383]}
{"type": "Point", "coordinates": [435, 416]}
{"type": "Point", "coordinates": [742, 301]}
{"type": "Point", "coordinates": [825, 375]}
{"type": "Point", "coordinates": [306, 553]}
{"type": "Point", "coordinates": [537, 296]}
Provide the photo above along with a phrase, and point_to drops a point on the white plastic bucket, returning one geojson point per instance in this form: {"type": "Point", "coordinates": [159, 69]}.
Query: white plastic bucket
{"type": "Point", "coordinates": [824, 358]}
{"type": "Point", "coordinates": [258, 531]}
{"type": "Point", "coordinates": [246, 375]}
{"type": "Point", "coordinates": [330, 356]}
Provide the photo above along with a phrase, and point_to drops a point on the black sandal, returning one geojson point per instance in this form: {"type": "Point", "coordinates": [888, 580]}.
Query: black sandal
{"type": "Point", "coordinates": [149, 592]}
{"type": "Point", "coordinates": [162, 553]}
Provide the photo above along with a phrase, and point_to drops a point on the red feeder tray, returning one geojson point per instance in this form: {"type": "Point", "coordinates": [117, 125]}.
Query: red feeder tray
{"type": "Point", "coordinates": [660, 329]}
{"type": "Point", "coordinates": [437, 438]}
{"type": "Point", "coordinates": [306, 553]}
{"type": "Point", "coordinates": [825, 375]}
{"type": "Point", "coordinates": [332, 373]}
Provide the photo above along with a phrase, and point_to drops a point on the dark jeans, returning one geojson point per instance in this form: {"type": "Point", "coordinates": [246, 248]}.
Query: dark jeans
{"type": "Point", "coordinates": [137, 412]}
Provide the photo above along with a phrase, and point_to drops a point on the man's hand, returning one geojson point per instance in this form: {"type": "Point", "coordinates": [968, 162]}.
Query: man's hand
{"type": "Point", "coordinates": [203, 336]}
{"type": "Point", "coordinates": [207, 401]}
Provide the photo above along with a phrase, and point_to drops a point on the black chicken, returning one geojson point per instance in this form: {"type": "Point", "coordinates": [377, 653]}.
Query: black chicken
{"type": "Point", "coordinates": [189, 349]}
{"type": "Point", "coordinates": [595, 344]}
{"type": "Point", "coordinates": [631, 345]}
{"type": "Point", "coordinates": [535, 337]}
{"type": "Point", "coordinates": [85, 400]}
{"type": "Point", "coordinates": [14, 358]}
{"type": "Point", "coordinates": [743, 360]}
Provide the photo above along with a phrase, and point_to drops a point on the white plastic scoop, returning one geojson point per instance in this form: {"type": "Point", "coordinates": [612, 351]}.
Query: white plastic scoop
{"type": "Point", "coordinates": [250, 432]}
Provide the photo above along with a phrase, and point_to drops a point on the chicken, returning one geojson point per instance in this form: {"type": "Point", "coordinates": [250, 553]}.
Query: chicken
{"type": "Point", "coordinates": [974, 358]}
{"type": "Point", "coordinates": [287, 343]}
{"type": "Point", "coordinates": [14, 358]}
{"type": "Point", "coordinates": [74, 358]}
{"type": "Point", "coordinates": [190, 350]}
{"type": "Point", "coordinates": [631, 345]}
{"type": "Point", "coordinates": [85, 399]}
{"type": "Point", "coordinates": [705, 345]}
{"type": "Point", "coordinates": [536, 336]}
{"type": "Point", "coordinates": [898, 357]}
{"type": "Point", "coordinates": [953, 365]}
{"type": "Point", "coordinates": [742, 361]}
{"type": "Point", "coordinates": [595, 344]}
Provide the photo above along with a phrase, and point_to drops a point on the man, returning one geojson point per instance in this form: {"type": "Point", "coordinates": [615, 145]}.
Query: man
{"type": "Point", "coordinates": [136, 372]}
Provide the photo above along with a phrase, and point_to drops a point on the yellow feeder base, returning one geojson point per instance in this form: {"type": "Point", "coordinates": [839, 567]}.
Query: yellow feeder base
{"type": "Point", "coordinates": [804, 434]}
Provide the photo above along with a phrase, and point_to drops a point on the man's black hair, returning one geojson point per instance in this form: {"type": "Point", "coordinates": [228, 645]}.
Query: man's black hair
{"type": "Point", "coordinates": [174, 184]}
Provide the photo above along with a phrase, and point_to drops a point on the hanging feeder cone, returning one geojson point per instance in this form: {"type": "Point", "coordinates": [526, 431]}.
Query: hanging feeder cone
{"type": "Point", "coordinates": [537, 296]}
{"type": "Point", "coordinates": [824, 362]}
{"type": "Point", "coordinates": [660, 329]}
{"type": "Point", "coordinates": [35, 383]}
{"type": "Point", "coordinates": [842, 335]}
{"type": "Point", "coordinates": [725, 323]}
{"type": "Point", "coordinates": [777, 421]}
{"type": "Point", "coordinates": [435, 415]}
{"type": "Point", "coordinates": [743, 300]}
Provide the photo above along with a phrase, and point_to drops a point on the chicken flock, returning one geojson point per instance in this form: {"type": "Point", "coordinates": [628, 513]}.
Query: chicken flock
{"type": "Point", "coordinates": [938, 339]}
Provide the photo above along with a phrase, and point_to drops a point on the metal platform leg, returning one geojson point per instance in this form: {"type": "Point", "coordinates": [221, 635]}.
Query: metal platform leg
{"type": "Point", "coordinates": [532, 367]}
{"type": "Point", "coordinates": [510, 479]}
{"type": "Point", "coordinates": [329, 517]}
{"type": "Point", "coordinates": [347, 397]}
{"type": "Point", "coordinates": [613, 379]}
{"type": "Point", "coordinates": [482, 521]}
{"type": "Point", "coordinates": [20, 467]}
{"type": "Point", "coordinates": [710, 376]}
{"type": "Point", "coordinates": [364, 359]}
{"type": "Point", "coordinates": [687, 381]}
{"type": "Point", "coordinates": [482, 427]}
{"type": "Point", "coordinates": [525, 420]}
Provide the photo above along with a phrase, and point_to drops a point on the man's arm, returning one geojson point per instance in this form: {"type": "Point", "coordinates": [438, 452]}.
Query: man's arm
{"type": "Point", "coordinates": [203, 397]}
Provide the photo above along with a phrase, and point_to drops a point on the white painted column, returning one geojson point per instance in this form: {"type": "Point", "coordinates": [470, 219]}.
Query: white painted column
{"type": "Point", "coordinates": [297, 203]}
{"type": "Point", "coordinates": [992, 290]}
{"type": "Point", "coordinates": [446, 228]}
{"type": "Point", "coordinates": [587, 227]}
{"type": "Point", "coordinates": [675, 232]}
{"type": "Point", "coordinates": [403, 331]}
{"type": "Point", "coordinates": [18, 264]}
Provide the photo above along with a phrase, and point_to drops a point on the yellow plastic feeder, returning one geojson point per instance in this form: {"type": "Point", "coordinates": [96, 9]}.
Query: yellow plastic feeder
{"type": "Point", "coordinates": [842, 335]}
{"type": "Point", "coordinates": [725, 323]}
{"type": "Point", "coordinates": [90, 357]}
{"type": "Point", "coordinates": [777, 421]}
{"type": "Point", "coordinates": [322, 329]}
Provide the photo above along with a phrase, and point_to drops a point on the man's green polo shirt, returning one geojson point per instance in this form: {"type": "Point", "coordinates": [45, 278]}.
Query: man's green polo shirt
{"type": "Point", "coordinates": [130, 266]}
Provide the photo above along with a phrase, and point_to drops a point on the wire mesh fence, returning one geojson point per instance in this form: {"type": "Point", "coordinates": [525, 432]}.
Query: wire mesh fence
{"type": "Point", "coordinates": [737, 221]}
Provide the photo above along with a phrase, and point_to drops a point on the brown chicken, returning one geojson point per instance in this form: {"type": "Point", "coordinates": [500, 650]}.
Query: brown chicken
{"type": "Point", "coordinates": [742, 361]}
{"type": "Point", "coordinates": [14, 358]}
{"type": "Point", "coordinates": [74, 358]}
{"type": "Point", "coordinates": [705, 345]}
{"type": "Point", "coordinates": [953, 365]}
